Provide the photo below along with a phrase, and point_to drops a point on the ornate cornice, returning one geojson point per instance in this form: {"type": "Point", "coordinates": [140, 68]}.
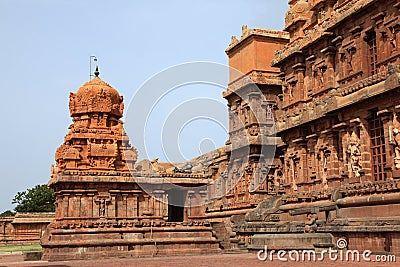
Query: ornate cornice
{"type": "Point", "coordinates": [246, 32]}
{"type": "Point", "coordinates": [319, 31]}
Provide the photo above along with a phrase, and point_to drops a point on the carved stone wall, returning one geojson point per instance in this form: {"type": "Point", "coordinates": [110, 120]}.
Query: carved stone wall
{"type": "Point", "coordinates": [338, 120]}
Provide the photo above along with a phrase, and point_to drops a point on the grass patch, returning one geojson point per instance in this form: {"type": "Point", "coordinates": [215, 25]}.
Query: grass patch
{"type": "Point", "coordinates": [17, 248]}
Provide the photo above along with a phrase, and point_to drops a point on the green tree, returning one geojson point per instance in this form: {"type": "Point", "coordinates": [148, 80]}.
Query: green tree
{"type": "Point", "coordinates": [7, 213]}
{"type": "Point", "coordinates": [37, 199]}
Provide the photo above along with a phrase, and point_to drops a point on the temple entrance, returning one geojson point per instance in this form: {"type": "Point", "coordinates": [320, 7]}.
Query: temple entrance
{"type": "Point", "coordinates": [176, 212]}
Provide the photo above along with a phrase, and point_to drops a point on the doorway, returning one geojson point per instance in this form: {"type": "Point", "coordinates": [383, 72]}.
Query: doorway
{"type": "Point", "coordinates": [176, 202]}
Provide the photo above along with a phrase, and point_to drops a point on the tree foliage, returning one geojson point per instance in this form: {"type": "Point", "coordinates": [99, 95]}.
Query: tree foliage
{"type": "Point", "coordinates": [7, 213]}
{"type": "Point", "coordinates": [37, 199]}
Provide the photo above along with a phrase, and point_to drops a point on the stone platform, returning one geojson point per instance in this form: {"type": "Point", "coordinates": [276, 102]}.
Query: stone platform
{"type": "Point", "coordinates": [291, 241]}
{"type": "Point", "coordinates": [141, 240]}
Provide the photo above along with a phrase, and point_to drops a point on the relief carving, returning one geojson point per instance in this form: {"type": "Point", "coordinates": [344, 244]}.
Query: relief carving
{"type": "Point", "coordinates": [354, 155]}
{"type": "Point", "coordinates": [396, 140]}
{"type": "Point", "coordinates": [104, 149]}
{"type": "Point", "coordinates": [392, 37]}
{"type": "Point", "coordinates": [311, 223]}
{"type": "Point", "coordinates": [324, 158]}
{"type": "Point", "coordinates": [102, 202]}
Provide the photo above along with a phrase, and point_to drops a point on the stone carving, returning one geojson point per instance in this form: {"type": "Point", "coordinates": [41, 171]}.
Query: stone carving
{"type": "Point", "coordinates": [102, 202]}
{"type": "Point", "coordinates": [293, 167]}
{"type": "Point", "coordinates": [96, 96]}
{"type": "Point", "coordinates": [156, 165]}
{"type": "Point", "coordinates": [187, 168]}
{"type": "Point", "coordinates": [396, 140]}
{"type": "Point", "coordinates": [313, 34]}
{"type": "Point", "coordinates": [354, 155]}
{"type": "Point", "coordinates": [392, 38]}
{"type": "Point", "coordinates": [104, 149]}
{"type": "Point", "coordinates": [234, 40]}
{"type": "Point", "coordinates": [324, 156]}
{"type": "Point", "coordinates": [278, 179]}
{"type": "Point", "coordinates": [96, 138]}
{"type": "Point", "coordinates": [311, 223]}
{"type": "Point", "coordinates": [350, 52]}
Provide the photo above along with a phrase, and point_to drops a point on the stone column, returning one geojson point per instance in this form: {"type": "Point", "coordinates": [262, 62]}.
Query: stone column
{"type": "Point", "coordinates": [341, 148]}
{"type": "Point", "coordinates": [333, 164]}
{"type": "Point", "coordinates": [123, 208]}
{"type": "Point", "coordinates": [158, 205]}
{"type": "Point", "coordinates": [78, 205]}
{"type": "Point", "coordinates": [65, 204]}
{"type": "Point", "coordinates": [329, 53]}
{"type": "Point", "coordinates": [302, 170]}
{"type": "Point", "coordinates": [301, 93]}
{"type": "Point", "coordinates": [84, 206]}
{"type": "Point", "coordinates": [112, 207]}
{"type": "Point", "coordinates": [312, 158]}
{"type": "Point", "coordinates": [91, 208]}
{"type": "Point", "coordinates": [190, 195]}
{"type": "Point", "coordinates": [385, 115]}
{"type": "Point", "coordinates": [71, 206]}
{"type": "Point", "coordinates": [309, 79]}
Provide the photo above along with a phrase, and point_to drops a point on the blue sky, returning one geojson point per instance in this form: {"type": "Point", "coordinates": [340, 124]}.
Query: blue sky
{"type": "Point", "coordinates": [44, 55]}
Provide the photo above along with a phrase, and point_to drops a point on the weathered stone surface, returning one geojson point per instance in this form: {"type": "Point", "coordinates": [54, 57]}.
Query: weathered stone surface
{"type": "Point", "coordinates": [32, 255]}
{"type": "Point", "coordinates": [291, 241]}
{"type": "Point", "coordinates": [337, 116]}
{"type": "Point", "coordinates": [25, 228]}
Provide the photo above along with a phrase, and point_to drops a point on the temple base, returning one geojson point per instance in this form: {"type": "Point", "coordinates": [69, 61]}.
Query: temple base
{"type": "Point", "coordinates": [171, 239]}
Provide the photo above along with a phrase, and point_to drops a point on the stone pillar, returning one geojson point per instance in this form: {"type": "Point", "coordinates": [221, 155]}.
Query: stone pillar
{"type": "Point", "coordinates": [112, 207]}
{"type": "Point", "coordinates": [329, 53]}
{"type": "Point", "coordinates": [91, 206]}
{"type": "Point", "coordinates": [84, 206]}
{"type": "Point", "coordinates": [135, 211]}
{"type": "Point", "coordinates": [71, 206]}
{"type": "Point", "coordinates": [311, 156]}
{"type": "Point", "coordinates": [59, 207]}
{"type": "Point", "coordinates": [190, 195]}
{"type": "Point", "coordinates": [254, 99]}
{"type": "Point", "coordinates": [123, 206]}
{"type": "Point", "coordinates": [385, 115]}
{"type": "Point", "coordinates": [301, 93]}
{"type": "Point", "coordinates": [302, 171]}
{"type": "Point", "coordinates": [341, 148]}
{"type": "Point", "coordinates": [65, 204]}
{"type": "Point", "coordinates": [78, 205]}
{"type": "Point", "coordinates": [308, 79]}
{"type": "Point", "coordinates": [158, 205]}
{"type": "Point", "coordinates": [333, 163]}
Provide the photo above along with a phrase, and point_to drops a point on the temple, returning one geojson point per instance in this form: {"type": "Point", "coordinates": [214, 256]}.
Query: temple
{"type": "Point", "coordinates": [313, 154]}
{"type": "Point", "coordinates": [101, 211]}
{"type": "Point", "coordinates": [337, 118]}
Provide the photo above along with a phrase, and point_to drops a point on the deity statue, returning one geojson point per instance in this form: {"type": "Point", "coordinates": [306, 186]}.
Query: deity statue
{"type": "Point", "coordinates": [396, 141]}
{"type": "Point", "coordinates": [354, 155]}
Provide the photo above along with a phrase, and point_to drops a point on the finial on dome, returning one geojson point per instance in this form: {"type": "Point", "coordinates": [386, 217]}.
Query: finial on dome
{"type": "Point", "coordinates": [96, 72]}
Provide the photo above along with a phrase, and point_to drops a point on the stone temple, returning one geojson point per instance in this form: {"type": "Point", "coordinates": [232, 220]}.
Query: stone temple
{"type": "Point", "coordinates": [330, 81]}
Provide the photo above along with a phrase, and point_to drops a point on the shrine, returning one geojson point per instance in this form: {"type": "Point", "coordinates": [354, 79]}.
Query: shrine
{"type": "Point", "coordinates": [101, 211]}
